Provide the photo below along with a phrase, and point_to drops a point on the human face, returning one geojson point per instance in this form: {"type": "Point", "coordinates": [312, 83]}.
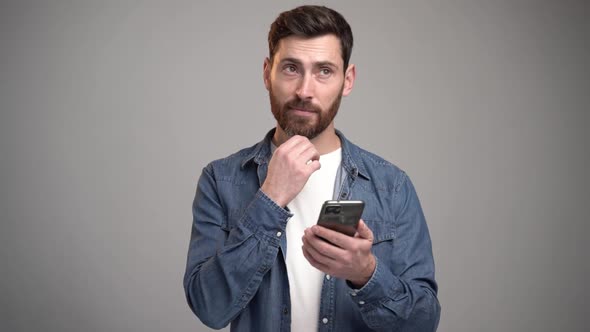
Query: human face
{"type": "Point", "coordinates": [306, 82]}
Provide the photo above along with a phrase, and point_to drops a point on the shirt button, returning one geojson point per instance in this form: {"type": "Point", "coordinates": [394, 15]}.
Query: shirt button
{"type": "Point", "coordinates": [279, 234]}
{"type": "Point", "coordinates": [361, 302]}
{"type": "Point", "coordinates": [328, 276]}
{"type": "Point", "coordinates": [342, 195]}
{"type": "Point", "coordinates": [285, 311]}
{"type": "Point", "coordinates": [353, 293]}
{"type": "Point", "coordinates": [325, 320]}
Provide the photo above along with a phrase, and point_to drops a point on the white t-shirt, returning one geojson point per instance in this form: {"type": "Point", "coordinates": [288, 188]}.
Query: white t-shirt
{"type": "Point", "coordinates": [305, 281]}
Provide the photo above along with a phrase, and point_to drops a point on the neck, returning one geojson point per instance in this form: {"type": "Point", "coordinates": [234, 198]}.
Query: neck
{"type": "Point", "coordinates": [326, 142]}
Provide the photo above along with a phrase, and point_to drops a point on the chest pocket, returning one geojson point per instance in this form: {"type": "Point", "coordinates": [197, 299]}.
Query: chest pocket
{"type": "Point", "coordinates": [384, 239]}
{"type": "Point", "coordinates": [383, 230]}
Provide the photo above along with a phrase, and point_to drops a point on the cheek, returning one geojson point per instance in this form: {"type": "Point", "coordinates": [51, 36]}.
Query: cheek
{"type": "Point", "coordinates": [282, 91]}
{"type": "Point", "coordinates": [329, 95]}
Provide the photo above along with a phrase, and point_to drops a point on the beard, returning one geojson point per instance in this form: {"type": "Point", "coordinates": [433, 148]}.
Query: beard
{"type": "Point", "coordinates": [308, 126]}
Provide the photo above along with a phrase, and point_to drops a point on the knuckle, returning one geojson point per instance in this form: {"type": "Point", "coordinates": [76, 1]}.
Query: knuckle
{"type": "Point", "coordinates": [300, 172]}
{"type": "Point", "coordinates": [280, 151]}
{"type": "Point", "coordinates": [347, 257]}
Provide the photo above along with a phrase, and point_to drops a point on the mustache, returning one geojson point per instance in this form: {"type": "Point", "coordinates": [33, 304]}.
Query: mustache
{"type": "Point", "coordinates": [303, 105]}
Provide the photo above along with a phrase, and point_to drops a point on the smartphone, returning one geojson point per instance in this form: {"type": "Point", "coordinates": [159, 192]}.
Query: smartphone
{"type": "Point", "coordinates": [341, 216]}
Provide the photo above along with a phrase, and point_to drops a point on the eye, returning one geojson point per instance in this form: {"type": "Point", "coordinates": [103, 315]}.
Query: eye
{"type": "Point", "coordinates": [290, 69]}
{"type": "Point", "coordinates": [325, 72]}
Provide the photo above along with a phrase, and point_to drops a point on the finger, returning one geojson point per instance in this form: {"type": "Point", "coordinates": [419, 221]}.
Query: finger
{"type": "Point", "coordinates": [313, 262]}
{"type": "Point", "coordinates": [318, 256]}
{"type": "Point", "coordinates": [314, 165]}
{"type": "Point", "coordinates": [336, 238]}
{"type": "Point", "coordinates": [364, 231]}
{"type": "Point", "coordinates": [300, 145]}
{"type": "Point", "coordinates": [310, 153]}
{"type": "Point", "coordinates": [322, 246]}
{"type": "Point", "coordinates": [310, 157]}
{"type": "Point", "coordinates": [291, 143]}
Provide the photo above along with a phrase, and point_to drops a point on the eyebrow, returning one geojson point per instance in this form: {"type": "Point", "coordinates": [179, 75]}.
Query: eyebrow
{"type": "Point", "coordinates": [315, 64]}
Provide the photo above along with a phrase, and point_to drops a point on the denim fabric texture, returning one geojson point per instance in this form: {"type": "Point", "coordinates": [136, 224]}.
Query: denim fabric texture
{"type": "Point", "coordinates": [236, 272]}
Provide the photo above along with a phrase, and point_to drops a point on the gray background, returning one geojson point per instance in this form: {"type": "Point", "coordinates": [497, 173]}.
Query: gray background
{"type": "Point", "coordinates": [109, 111]}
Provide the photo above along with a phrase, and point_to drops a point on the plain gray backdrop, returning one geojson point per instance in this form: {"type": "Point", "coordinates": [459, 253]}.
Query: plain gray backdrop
{"type": "Point", "coordinates": [110, 109]}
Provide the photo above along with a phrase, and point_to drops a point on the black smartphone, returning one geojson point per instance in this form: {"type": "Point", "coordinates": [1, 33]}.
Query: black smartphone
{"type": "Point", "coordinates": [341, 216]}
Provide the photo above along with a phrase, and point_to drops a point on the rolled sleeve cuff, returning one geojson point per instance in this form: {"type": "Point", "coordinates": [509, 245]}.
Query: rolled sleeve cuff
{"type": "Point", "coordinates": [381, 285]}
{"type": "Point", "coordinates": [265, 218]}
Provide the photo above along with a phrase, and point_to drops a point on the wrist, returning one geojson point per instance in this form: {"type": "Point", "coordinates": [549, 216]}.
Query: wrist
{"type": "Point", "coordinates": [365, 275]}
{"type": "Point", "coordinates": [275, 197]}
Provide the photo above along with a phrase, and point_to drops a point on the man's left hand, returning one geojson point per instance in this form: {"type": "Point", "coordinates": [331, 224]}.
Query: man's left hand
{"type": "Point", "coordinates": [340, 255]}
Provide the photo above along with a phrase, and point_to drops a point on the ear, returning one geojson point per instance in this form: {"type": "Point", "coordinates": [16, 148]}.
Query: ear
{"type": "Point", "coordinates": [266, 73]}
{"type": "Point", "coordinates": [349, 77]}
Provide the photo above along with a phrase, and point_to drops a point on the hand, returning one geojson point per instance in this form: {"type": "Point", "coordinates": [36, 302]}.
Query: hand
{"type": "Point", "coordinates": [289, 169]}
{"type": "Point", "coordinates": [340, 255]}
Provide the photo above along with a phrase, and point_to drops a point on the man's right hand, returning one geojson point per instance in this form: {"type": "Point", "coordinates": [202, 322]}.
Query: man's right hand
{"type": "Point", "coordinates": [291, 165]}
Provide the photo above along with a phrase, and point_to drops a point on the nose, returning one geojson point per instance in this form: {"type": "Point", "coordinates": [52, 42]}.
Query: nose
{"type": "Point", "coordinates": [306, 87]}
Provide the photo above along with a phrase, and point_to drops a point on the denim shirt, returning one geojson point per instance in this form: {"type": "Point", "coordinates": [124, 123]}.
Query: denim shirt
{"type": "Point", "coordinates": [236, 271]}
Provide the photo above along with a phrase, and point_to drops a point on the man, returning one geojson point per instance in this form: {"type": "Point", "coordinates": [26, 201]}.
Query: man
{"type": "Point", "coordinates": [256, 258]}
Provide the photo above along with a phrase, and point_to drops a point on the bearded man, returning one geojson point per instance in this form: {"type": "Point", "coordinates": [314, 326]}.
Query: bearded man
{"type": "Point", "coordinates": [257, 259]}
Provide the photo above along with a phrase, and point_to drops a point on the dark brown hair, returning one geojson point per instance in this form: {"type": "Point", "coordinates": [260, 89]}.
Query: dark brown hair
{"type": "Point", "coordinates": [308, 22]}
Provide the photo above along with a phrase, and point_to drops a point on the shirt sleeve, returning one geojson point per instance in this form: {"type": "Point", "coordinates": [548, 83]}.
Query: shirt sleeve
{"type": "Point", "coordinates": [225, 267]}
{"type": "Point", "coordinates": [401, 294]}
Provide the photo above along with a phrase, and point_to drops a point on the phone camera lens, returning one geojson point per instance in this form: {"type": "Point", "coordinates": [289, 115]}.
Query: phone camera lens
{"type": "Point", "coordinates": [333, 209]}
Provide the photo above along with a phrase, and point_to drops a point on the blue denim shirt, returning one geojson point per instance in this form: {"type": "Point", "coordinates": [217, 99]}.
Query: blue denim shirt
{"type": "Point", "coordinates": [236, 270]}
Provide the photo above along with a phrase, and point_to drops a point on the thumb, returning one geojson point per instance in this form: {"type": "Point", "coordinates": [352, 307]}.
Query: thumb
{"type": "Point", "coordinates": [364, 231]}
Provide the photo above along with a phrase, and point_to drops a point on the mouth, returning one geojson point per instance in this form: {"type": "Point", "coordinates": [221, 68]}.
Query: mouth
{"type": "Point", "coordinates": [302, 110]}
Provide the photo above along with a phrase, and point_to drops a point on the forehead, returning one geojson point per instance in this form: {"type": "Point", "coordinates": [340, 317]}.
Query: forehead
{"type": "Point", "coordinates": [309, 50]}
